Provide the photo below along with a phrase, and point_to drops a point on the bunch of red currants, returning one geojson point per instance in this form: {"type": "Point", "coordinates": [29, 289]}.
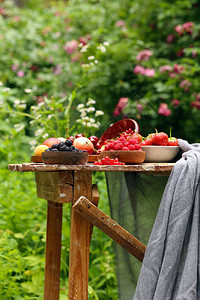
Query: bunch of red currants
{"type": "Point", "coordinates": [108, 161]}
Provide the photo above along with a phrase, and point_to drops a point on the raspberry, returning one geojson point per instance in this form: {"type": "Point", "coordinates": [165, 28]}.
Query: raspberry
{"type": "Point", "coordinates": [111, 146]}
{"type": "Point", "coordinates": [122, 139]}
{"type": "Point", "coordinates": [137, 146]}
{"type": "Point", "coordinates": [125, 148]}
{"type": "Point", "coordinates": [131, 147]}
{"type": "Point", "coordinates": [133, 142]}
{"type": "Point", "coordinates": [118, 146]}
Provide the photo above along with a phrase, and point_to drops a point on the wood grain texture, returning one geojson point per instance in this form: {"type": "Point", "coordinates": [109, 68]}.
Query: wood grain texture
{"type": "Point", "coordinates": [55, 186]}
{"type": "Point", "coordinates": [146, 168]}
{"type": "Point", "coordinates": [53, 251]}
{"type": "Point", "coordinates": [95, 201]}
{"type": "Point", "coordinates": [94, 215]}
{"type": "Point", "coordinates": [79, 241]}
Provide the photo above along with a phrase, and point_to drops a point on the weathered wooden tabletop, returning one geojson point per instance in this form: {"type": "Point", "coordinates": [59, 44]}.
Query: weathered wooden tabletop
{"type": "Point", "coordinates": [143, 168]}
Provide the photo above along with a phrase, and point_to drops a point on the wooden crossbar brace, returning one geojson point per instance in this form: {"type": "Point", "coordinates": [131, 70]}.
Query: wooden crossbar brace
{"type": "Point", "coordinates": [98, 218]}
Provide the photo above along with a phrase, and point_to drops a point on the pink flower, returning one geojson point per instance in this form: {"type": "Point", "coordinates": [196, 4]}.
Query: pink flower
{"type": "Point", "coordinates": [58, 70]}
{"type": "Point", "coordinates": [165, 68]}
{"type": "Point", "coordinates": [170, 38]}
{"type": "Point", "coordinates": [122, 103]}
{"type": "Point", "coordinates": [146, 72]}
{"type": "Point", "coordinates": [175, 102]}
{"type": "Point", "coordinates": [139, 69]}
{"type": "Point", "coordinates": [195, 104]}
{"type": "Point", "coordinates": [144, 55]}
{"type": "Point", "coordinates": [185, 84]}
{"type": "Point", "coordinates": [70, 46]}
{"type": "Point", "coordinates": [188, 26]}
{"type": "Point", "coordinates": [164, 110]}
{"type": "Point", "coordinates": [178, 69]}
{"type": "Point", "coordinates": [20, 73]}
{"type": "Point", "coordinates": [149, 72]}
{"type": "Point", "coordinates": [14, 68]}
{"type": "Point", "coordinates": [179, 29]}
{"type": "Point", "coordinates": [120, 23]}
{"type": "Point", "coordinates": [139, 108]}
{"type": "Point", "coordinates": [84, 39]}
{"type": "Point", "coordinates": [180, 52]}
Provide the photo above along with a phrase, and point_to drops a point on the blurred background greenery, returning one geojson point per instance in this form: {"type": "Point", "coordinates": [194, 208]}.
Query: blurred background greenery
{"type": "Point", "coordinates": [136, 59]}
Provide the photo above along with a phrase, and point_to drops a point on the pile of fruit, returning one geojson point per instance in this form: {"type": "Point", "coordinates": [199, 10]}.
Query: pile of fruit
{"type": "Point", "coordinates": [109, 161]}
{"type": "Point", "coordinates": [159, 139]}
{"type": "Point", "coordinates": [129, 140]}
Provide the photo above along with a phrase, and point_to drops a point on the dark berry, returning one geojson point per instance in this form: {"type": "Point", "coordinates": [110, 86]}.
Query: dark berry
{"type": "Point", "coordinates": [48, 150]}
{"type": "Point", "coordinates": [63, 148]}
{"type": "Point", "coordinates": [68, 143]}
{"type": "Point", "coordinates": [54, 150]}
{"type": "Point", "coordinates": [61, 144]}
{"type": "Point", "coordinates": [55, 146]}
{"type": "Point", "coordinates": [72, 147]}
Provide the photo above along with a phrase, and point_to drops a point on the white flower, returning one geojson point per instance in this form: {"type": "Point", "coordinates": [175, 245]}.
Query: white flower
{"type": "Point", "coordinates": [16, 102]}
{"type": "Point", "coordinates": [85, 65]}
{"type": "Point", "coordinates": [99, 113]}
{"type": "Point", "coordinates": [45, 135]}
{"type": "Point", "coordinates": [86, 118]}
{"type": "Point", "coordinates": [83, 114]}
{"type": "Point", "coordinates": [19, 127]}
{"type": "Point", "coordinates": [34, 108]}
{"type": "Point", "coordinates": [33, 143]}
{"type": "Point", "coordinates": [84, 48]}
{"type": "Point", "coordinates": [1, 83]}
{"type": "Point", "coordinates": [49, 117]}
{"type": "Point", "coordinates": [78, 120]}
{"type": "Point", "coordinates": [28, 91]}
{"type": "Point", "coordinates": [91, 57]}
{"type": "Point", "coordinates": [40, 104]}
{"type": "Point", "coordinates": [39, 132]}
{"type": "Point", "coordinates": [101, 48]}
{"type": "Point", "coordinates": [6, 89]}
{"type": "Point", "coordinates": [22, 106]}
{"type": "Point", "coordinates": [89, 124]}
{"type": "Point", "coordinates": [106, 44]}
{"type": "Point", "coordinates": [95, 125]}
{"type": "Point", "coordinates": [96, 61]}
{"type": "Point", "coordinates": [80, 45]}
{"type": "Point", "coordinates": [91, 101]}
{"type": "Point", "coordinates": [37, 117]}
{"type": "Point", "coordinates": [80, 106]}
{"type": "Point", "coordinates": [91, 64]}
{"type": "Point", "coordinates": [32, 122]}
{"type": "Point", "coordinates": [90, 109]}
{"type": "Point", "coordinates": [92, 120]}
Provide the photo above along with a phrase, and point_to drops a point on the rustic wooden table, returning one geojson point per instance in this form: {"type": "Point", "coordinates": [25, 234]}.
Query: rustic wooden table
{"type": "Point", "coordinates": [60, 184]}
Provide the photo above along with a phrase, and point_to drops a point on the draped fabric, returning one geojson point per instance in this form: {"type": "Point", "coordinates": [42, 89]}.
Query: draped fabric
{"type": "Point", "coordinates": [134, 200]}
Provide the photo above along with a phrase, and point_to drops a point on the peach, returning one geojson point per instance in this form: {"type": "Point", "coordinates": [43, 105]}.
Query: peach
{"type": "Point", "coordinates": [50, 141]}
{"type": "Point", "coordinates": [84, 143]}
{"type": "Point", "coordinates": [39, 149]}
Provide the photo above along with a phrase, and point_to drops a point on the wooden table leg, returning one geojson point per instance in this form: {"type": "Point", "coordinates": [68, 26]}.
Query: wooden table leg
{"type": "Point", "coordinates": [53, 251]}
{"type": "Point", "coordinates": [79, 241]}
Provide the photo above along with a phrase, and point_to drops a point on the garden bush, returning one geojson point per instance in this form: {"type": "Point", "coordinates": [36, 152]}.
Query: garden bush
{"type": "Point", "coordinates": [82, 65]}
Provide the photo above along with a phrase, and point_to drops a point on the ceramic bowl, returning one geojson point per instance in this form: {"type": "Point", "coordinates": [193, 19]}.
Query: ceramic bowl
{"type": "Point", "coordinates": [128, 157]}
{"type": "Point", "coordinates": [65, 158]}
{"type": "Point", "coordinates": [160, 153]}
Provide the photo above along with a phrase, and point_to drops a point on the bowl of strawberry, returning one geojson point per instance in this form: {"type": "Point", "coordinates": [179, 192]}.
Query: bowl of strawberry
{"type": "Point", "coordinates": [159, 147]}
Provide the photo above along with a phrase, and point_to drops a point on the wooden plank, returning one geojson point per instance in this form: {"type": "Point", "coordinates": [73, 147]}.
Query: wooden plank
{"type": "Point", "coordinates": [55, 186]}
{"type": "Point", "coordinates": [94, 215]}
{"type": "Point", "coordinates": [79, 241]}
{"type": "Point", "coordinates": [95, 201]}
{"type": "Point", "coordinates": [147, 168]}
{"type": "Point", "coordinates": [53, 251]}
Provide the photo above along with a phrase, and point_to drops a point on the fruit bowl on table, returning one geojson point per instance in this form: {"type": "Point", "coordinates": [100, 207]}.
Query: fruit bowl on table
{"type": "Point", "coordinates": [65, 158]}
{"type": "Point", "coordinates": [160, 153]}
{"type": "Point", "coordinates": [128, 157]}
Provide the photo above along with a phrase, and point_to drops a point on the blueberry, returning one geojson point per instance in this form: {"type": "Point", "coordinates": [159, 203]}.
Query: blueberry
{"type": "Point", "coordinates": [61, 144]}
{"type": "Point", "coordinates": [68, 143]}
{"type": "Point", "coordinates": [48, 150]}
{"type": "Point", "coordinates": [72, 147]}
{"type": "Point", "coordinates": [54, 150]}
{"type": "Point", "coordinates": [63, 148]}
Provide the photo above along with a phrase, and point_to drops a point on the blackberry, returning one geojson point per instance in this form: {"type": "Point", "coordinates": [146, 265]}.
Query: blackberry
{"type": "Point", "coordinates": [55, 146]}
{"type": "Point", "coordinates": [68, 143]}
{"type": "Point", "coordinates": [48, 150]}
{"type": "Point", "coordinates": [54, 150]}
{"type": "Point", "coordinates": [63, 148]}
{"type": "Point", "coordinates": [61, 144]}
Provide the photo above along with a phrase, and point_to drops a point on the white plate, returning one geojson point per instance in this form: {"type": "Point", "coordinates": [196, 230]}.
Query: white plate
{"type": "Point", "coordinates": [160, 153]}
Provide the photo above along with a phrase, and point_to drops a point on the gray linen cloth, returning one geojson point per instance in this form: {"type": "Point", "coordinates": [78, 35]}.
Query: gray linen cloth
{"type": "Point", "coordinates": [170, 269]}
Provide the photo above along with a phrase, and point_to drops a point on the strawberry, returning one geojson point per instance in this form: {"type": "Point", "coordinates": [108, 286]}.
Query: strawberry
{"type": "Point", "coordinates": [147, 142]}
{"type": "Point", "coordinates": [172, 141]}
{"type": "Point", "coordinates": [160, 139]}
{"type": "Point", "coordinates": [135, 136]}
